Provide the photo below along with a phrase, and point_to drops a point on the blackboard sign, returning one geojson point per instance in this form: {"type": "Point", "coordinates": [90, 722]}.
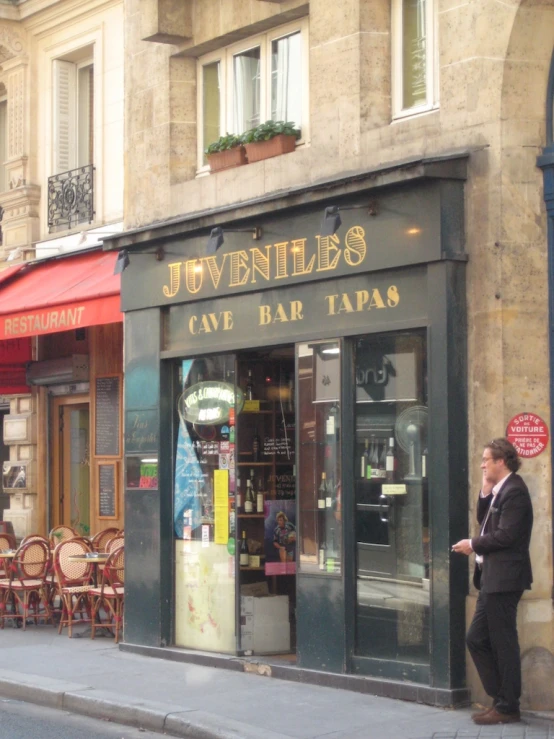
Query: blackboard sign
{"type": "Point", "coordinates": [107, 423]}
{"type": "Point", "coordinates": [107, 490]}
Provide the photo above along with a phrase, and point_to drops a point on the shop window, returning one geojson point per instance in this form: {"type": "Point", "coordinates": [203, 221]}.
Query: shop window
{"type": "Point", "coordinates": [319, 466]}
{"type": "Point", "coordinates": [414, 58]}
{"type": "Point", "coordinates": [262, 78]}
{"type": "Point", "coordinates": [391, 465]}
{"type": "Point", "coordinates": [73, 113]}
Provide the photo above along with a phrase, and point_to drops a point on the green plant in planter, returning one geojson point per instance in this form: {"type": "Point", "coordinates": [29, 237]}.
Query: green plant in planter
{"type": "Point", "coordinates": [268, 130]}
{"type": "Point", "coordinates": [229, 141]}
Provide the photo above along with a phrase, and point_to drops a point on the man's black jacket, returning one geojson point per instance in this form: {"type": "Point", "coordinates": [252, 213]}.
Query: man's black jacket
{"type": "Point", "coordinates": [505, 543]}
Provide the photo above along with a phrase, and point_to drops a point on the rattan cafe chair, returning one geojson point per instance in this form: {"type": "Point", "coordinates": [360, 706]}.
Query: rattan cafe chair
{"type": "Point", "coordinates": [7, 542]}
{"type": "Point", "coordinates": [25, 589]}
{"type": "Point", "coordinates": [59, 534]}
{"type": "Point", "coordinates": [108, 599]}
{"type": "Point", "coordinates": [74, 580]}
{"type": "Point", "coordinates": [101, 539]}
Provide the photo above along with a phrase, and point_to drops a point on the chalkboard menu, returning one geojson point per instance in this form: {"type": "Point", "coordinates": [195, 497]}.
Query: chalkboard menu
{"type": "Point", "coordinates": [107, 423]}
{"type": "Point", "coordinates": [107, 490]}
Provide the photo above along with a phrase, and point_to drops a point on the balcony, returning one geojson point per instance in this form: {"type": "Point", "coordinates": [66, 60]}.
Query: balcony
{"type": "Point", "coordinates": [71, 198]}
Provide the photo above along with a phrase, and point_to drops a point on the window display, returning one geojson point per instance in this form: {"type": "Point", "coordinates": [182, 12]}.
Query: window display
{"type": "Point", "coordinates": [319, 464]}
{"type": "Point", "coordinates": [391, 507]}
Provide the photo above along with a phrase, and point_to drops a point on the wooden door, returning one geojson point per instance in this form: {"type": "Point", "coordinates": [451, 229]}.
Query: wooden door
{"type": "Point", "coordinates": [70, 463]}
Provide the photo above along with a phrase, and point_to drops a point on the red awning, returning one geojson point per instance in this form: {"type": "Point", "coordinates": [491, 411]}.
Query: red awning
{"type": "Point", "coordinates": [59, 295]}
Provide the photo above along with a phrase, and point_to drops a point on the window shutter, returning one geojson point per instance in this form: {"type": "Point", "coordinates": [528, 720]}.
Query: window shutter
{"type": "Point", "coordinates": [64, 119]}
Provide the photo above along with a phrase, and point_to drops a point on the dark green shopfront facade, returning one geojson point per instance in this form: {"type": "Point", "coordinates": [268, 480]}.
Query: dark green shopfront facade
{"type": "Point", "coordinates": [346, 356]}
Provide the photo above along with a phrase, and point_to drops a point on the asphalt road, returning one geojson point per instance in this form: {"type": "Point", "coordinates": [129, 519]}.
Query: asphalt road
{"type": "Point", "coordinates": [20, 720]}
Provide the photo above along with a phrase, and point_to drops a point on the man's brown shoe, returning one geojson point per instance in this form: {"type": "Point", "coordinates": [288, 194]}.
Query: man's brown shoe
{"type": "Point", "coordinates": [493, 717]}
{"type": "Point", "coordinates": [480, 714]}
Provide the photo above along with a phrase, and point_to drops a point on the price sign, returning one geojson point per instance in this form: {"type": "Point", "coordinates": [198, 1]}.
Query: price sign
{"type": "Point", "coordinates": [528, 433]}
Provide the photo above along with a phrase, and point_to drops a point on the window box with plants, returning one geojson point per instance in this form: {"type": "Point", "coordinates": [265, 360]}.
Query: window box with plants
{"type": "Point", "coordinates": [226, 152]}
{"type": "Point", "coordinates": [270, 139]}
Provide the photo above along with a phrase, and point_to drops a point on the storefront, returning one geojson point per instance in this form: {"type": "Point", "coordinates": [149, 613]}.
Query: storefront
{"type": "Point", "coordinates": [296, 430]}
{"type": "Point", "coordinates": [61, 338]}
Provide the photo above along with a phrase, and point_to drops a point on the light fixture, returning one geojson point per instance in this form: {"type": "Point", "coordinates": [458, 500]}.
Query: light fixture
{"type": "Point", "coordinates": [332, 220]}
{"type": "Point", "coordinates": [331, 350]}
{"type": "Point", "coordinates": [216, 236]}
{"type": "Point", "coordinates": [122, 261]}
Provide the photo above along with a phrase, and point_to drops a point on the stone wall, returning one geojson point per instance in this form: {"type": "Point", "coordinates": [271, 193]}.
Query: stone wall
{"type": "Point", "coordinates": [493, 62]}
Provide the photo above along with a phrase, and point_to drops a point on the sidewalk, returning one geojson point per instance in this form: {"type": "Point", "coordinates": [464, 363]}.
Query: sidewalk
{"type": "Point", "coordinates": [97, 679]}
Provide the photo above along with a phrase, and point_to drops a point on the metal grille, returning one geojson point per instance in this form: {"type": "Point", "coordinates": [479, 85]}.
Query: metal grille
{"type": "Point", "coordinates": [71, 198]}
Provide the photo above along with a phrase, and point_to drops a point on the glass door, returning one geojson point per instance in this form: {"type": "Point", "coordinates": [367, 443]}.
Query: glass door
{"type": "Point", "coordinates": [71, 464]}
{"type": "Point", "coordinates": [391, 511]}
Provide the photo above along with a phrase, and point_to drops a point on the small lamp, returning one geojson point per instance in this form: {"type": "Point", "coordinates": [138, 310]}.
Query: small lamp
{"type": "Point", "coordinates": [215, 241]}
{"type": "Point", "coordinates": [331, 221]}
{"type": "Point", "coordinates": [122, 262]}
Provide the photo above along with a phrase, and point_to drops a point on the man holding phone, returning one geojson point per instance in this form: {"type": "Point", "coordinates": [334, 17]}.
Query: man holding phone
{"type": "Point", "coordinates": [502, 573]}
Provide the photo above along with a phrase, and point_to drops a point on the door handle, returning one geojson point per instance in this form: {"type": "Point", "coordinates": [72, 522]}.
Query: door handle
{"type": "Point", "coordinates": [384, 508]}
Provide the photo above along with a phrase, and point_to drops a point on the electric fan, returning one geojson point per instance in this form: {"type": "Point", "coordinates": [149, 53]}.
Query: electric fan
{"type": "Point", "coordinates": [411, 433]}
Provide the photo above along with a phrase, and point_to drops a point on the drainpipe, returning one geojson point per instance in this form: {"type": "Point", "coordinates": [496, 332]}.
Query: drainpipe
{"type": "Point", "coordinates": [546, 163]}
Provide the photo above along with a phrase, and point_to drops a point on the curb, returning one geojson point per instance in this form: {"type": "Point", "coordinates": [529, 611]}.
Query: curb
{"type": "Point", "coordinates": [158, 717]}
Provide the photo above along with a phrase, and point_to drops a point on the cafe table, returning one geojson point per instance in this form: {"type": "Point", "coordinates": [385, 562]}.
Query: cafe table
{"type": "Point", "coordinates": [95, 558]}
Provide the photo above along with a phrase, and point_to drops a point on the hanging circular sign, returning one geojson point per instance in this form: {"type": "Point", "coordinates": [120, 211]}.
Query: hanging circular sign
{"type": "Point", "coordinates": [528, 433]}
{"type": "Point", "coordinates": [210, 403]}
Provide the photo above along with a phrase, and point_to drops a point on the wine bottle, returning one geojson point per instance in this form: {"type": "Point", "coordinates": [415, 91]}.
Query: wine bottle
{"type": "Point", "coordinates": [243, 551]}
{"type": "Point", "coordinates": [374, 458]}
{"type": "Point", "coordinates": [329, 496]}
{"type": "Point", "coordinates": [364, 460]}
{"type": "Point", "coordinates": [259, 500]}
{"type": "Point", "coordinates": [256, 447]}
{"type": "Point", "coordinates": [390, 460]}
{"type": "Point", "coordinates": [250, 386]}
{"type": "Point", "coordinates": [238, 497]}
{"type": "Point", "coordinates": [322, 555]}
{"type": "Point", "coordinates": [382, 459]}
{"type": "Point", "coordinates": [322, 491]}
{"type": "Point", "coordinates": [249, 498]}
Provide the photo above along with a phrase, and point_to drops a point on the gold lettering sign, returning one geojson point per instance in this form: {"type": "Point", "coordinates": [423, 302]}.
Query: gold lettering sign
{"type": "Point", "coordinates": [264, 265]}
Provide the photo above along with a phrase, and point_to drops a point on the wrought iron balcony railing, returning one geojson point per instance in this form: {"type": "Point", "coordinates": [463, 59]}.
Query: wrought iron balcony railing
{"type": "Point", "coordinates": [71, 198]}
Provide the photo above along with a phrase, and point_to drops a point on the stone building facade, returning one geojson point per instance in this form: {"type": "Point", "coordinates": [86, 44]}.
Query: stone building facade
{"type": "Point", "coordinates": [61, 190]}
{"type": "Point", "coordinates": [487, 80]}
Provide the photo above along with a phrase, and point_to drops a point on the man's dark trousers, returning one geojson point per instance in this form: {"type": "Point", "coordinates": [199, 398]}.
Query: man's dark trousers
{"type": "Point", "coordinates": [493, 644]}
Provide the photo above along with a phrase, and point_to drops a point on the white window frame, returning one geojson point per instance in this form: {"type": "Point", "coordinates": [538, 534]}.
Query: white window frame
{"type": "Point", "coordinates": [71, 133]}
{"type": "Point", "coordinates": [431, 65]}
{"type": "Point", "coordinates": [225, 57]}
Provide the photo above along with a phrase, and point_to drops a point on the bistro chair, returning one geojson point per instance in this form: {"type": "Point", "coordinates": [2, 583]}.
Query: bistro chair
{"type": "Point", "coordinates": [49, 580]}
{"type": "Point", "coordinates": [74, 580]}
{"type": "Point", "coordinates": [59, 534]}
{"type": "Point", "coordinates": [101, 539]}
{"type": "Point", "coordinates": [24, 590]}
{"type": "Point", "coordinates": [35, 537]}
{"type": "Point", "coordinates": [115, 543]}
{"type": "Point", "coordinates": [7, 541]}
{"type": "Point", "coordinates": [109, 597]}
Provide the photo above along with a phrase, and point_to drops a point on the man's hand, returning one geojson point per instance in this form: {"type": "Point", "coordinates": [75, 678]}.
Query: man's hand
{"type": "Point", "coordinates": [486, 485]}
{"type": "Point", "coordinates": [463, 547]}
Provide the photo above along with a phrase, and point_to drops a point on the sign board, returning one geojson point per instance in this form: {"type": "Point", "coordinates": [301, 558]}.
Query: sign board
{"type": "Point", "coordinates": [107, 481]}
{"type": "Point", "coordinates": [528, 433]}
{"type": "Point", "coordinates": [210, 402]}
{"type": "Point", "coordinates": [107, 416]}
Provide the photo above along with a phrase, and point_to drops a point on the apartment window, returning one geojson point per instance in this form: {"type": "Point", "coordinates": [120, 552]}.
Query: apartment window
{"type": "Point", "coordinates": [73, 114]}
{"type": "Point", "coordinates": [259, 79]}
{"type": "Point", "coordinates": [415, 78]}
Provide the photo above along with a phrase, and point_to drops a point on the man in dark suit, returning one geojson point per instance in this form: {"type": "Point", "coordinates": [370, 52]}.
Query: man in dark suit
{"type": "Point", "coordinates": [502, 573]}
